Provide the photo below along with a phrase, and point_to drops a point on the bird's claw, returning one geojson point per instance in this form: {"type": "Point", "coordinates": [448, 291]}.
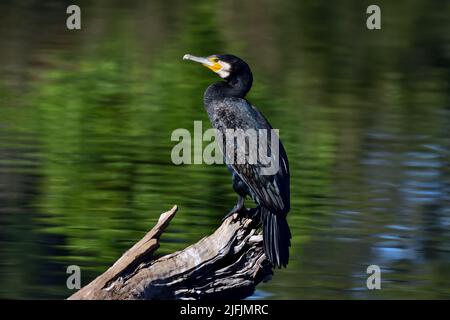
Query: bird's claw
{"type": "Point", "coordinates": [236, 209]}
{"type": "Point", "coordinates": [229, 214]}
{"type": "Point", "coordinates": [253, 213]}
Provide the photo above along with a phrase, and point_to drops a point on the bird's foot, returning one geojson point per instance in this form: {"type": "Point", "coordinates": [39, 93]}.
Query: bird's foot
{"type": "Point", "coordinates": [236, 209]}
{"type": "Point", "coordinates": [253, 213]}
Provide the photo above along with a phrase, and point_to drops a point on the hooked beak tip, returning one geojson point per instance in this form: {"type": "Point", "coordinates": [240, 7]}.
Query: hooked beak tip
{"type": "Point", "coordinates": [202, 60]}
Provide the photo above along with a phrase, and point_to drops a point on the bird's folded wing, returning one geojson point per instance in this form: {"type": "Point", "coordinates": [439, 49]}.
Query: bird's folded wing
{"type": "Point", "coordinates": [271, 191]}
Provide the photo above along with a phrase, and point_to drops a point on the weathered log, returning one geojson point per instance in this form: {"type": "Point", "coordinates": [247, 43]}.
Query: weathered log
{"type": "Point", "coordinates": [227, 264]}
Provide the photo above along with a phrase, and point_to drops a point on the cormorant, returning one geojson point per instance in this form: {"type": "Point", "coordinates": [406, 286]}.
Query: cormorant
{"type": "Point", "coordinates": [227, 108]}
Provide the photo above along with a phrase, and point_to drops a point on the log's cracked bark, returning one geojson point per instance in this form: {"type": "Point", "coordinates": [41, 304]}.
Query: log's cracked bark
{"type": "Point", "coordinates": [227, 264]}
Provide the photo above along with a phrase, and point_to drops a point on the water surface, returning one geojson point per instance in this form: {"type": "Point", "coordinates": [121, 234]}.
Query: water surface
{"type": "Point", "coordinates": [86, 119]}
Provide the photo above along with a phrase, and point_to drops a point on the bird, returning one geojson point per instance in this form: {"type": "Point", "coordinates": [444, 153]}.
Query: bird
{"type": "Point", "coordinates": [228, 108]}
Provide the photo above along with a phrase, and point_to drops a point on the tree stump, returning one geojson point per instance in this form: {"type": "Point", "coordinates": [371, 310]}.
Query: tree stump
{"type": "Point", "coordinates": [226, 264]}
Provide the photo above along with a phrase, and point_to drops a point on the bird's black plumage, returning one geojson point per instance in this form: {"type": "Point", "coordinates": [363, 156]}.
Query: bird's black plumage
{"type": "Point", "coordinates": [227, 108]}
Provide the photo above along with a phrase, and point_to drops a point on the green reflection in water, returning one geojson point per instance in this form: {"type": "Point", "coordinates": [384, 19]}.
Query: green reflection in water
{"type": "Point", "coordinates": [86, 120]}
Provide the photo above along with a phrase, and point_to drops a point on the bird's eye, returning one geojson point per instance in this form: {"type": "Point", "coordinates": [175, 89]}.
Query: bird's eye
{"type": "Point", "coordinates": [216, 60]}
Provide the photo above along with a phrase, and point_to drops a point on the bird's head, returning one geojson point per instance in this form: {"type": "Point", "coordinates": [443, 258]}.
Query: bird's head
{"type": "Point", "coordinates": [226, 66]}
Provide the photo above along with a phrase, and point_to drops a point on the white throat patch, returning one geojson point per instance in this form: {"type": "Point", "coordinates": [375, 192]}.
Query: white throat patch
{"type": "Point", "coordinates": [225, 70]}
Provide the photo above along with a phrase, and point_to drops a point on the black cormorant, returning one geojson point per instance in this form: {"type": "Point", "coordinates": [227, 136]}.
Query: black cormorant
{"type": "Point", "coordinates": [228, 109]}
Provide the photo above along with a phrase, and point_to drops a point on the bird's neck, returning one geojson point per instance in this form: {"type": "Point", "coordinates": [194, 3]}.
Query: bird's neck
{"type": "Point", "coordinates": [234, 87]}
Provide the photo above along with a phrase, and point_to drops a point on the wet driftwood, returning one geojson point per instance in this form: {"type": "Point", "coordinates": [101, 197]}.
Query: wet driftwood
{"type": "Point", "coordinates": [227, 264]}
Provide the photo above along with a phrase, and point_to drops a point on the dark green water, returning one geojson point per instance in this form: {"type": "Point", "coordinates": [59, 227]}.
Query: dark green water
{"type": "Point", "coordinates": [86, 119]}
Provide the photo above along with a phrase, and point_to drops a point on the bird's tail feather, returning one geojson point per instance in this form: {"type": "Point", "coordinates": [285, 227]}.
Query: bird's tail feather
{"type": "Point", "coordinates": [277, 237]}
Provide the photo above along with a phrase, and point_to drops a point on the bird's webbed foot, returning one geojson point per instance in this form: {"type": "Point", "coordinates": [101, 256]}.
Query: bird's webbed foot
{"type": "Point", "coordinates": [254, 214]}
{"type": "Point", "coordinates": [239, 207]}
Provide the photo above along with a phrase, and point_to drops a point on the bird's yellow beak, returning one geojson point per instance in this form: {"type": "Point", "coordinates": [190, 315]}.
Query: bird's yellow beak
{"type": "Point", "coordinates": [211, 62]}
